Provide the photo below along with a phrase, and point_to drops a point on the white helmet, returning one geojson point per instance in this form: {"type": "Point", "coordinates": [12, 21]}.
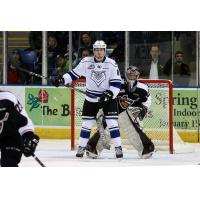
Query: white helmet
{"type": "Point", "coordinates": [132, 74]}
{"type": "Point", "coordinates": [99, 44]}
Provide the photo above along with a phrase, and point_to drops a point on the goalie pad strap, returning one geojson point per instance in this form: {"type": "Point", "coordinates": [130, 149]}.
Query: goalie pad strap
{"type": "Point", "coordinates": [94, 140]}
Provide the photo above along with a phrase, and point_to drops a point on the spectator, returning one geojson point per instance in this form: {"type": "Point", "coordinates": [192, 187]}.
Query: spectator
{"type": "Point", "coordinates": [13, 73]}
{"type": "Point", "coordinates": [31, 60]}
{"type": "Point", "coordinates": [74, 56]}
{"type": "Point", "coordinates": [84, 53]}
{"type": "Point", "coordinates": [35, 40]}
{"type": "Point", "coordinates": [53, 51]}
{"type": "Point", "coordinates": [153, 69]}
{"type": "Point", "coordinates": [53, 44]}
{"type": "Point", "coordinates": [86, 43]}
{"type": "Point", "coordinates": [181, 71]}
{"type": "Point", "coordinates": [32, 57]}
{"type": "Point", "coordinates": [114, 38]}
{"type": "Point", "coordinates": [62, 38]}
{"type": "Point", "coordinates": [119, 56]}
{"type": "Point", "coordinates": [62, 65]}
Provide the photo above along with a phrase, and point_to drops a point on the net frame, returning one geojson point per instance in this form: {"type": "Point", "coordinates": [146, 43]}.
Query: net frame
{"type": "Point", "coordinates": [145, 81]}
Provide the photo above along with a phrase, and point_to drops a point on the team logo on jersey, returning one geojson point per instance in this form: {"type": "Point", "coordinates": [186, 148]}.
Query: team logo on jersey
{"type": "Point", "coordinates": [91, 66]}
{"type": "Point", "coordinates": [125, 102]}
{"type": "Point", "coordinates": [99, 66]}
{"type": "Point", "coordinates": [98, 77]}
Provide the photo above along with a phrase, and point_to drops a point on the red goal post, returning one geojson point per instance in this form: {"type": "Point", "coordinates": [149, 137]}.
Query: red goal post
{"type": "Point", "coordinates": [164, 87]}
{"type": "Point", "coordinates": [170, 93]}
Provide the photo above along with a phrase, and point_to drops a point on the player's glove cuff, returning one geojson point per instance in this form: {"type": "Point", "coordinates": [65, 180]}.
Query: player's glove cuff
{"type": "Point", "coordinates": [59, 80]}
{"type": "Point", "coordinates": [30, 143]}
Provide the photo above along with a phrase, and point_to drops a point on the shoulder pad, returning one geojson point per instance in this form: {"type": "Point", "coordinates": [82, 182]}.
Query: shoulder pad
{"type": "Point", "coordinates": [110, 60]}
{"type": "Point", "coordinates": [142, 85]}
{"type": "Point", "coordinates": [87, 59]}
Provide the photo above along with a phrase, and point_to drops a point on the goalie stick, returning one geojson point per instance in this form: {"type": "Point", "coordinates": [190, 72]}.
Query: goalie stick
{"type": "Point", "coordinates": [50, 79]}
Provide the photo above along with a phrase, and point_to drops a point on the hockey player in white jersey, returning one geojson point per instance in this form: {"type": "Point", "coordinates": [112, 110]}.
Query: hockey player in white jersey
{"type": "Point", "coordinates": [133, 100]}
{"type": "Point", "coordinates": [103, 83]}
{"type": "Point", "coordinates": [16, 131]}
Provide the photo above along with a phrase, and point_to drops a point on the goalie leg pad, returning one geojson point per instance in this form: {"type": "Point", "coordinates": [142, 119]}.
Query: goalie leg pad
{"type": "Point", "coordinates": [147, 152]}
{"type": "Point", "coordinates": [97, 143]}
{"type": "Point", "coordinates": [126, 126]}
{"type": "Point", "coordinates": [104, 141]}
{"type": "Point", "coordinates": [134, 134]}
{"type": "Point", "coordinates": [91, 150]}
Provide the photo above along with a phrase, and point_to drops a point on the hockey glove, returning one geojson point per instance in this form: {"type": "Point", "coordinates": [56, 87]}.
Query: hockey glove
{"type": "Point", "coordinates": [30, 143]}
{"type": "Point", "coordinates": [59, 80]}
{"type": "Point", "coordinates": [142, 113]}
{"type": "Point", "coordinates": [106, 97]}
{"type": "Point", "coordinates": [135, 111]}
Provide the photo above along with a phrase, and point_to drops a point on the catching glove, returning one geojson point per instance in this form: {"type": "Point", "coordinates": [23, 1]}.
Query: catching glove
{"type": "Point", "coordinates": [30, 143]}
{"type": "Point", "coordinates": [139, 112]}
{"type": "Point", "coordinates": [142, 113]}
{"type": "Point", "coordinates": [57, 81]}
{"type": "Point", "coordinates": [106, 97]}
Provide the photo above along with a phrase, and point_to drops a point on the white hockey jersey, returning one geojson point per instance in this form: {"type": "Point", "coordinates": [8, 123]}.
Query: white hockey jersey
{"type": "Point", "coordinates": [100, 76]}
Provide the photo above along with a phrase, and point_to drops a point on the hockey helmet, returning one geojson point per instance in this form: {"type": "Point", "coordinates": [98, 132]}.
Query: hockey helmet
{"type": "Point", "coordinates": [99, 44]}
{"type": "Point", "coordinates": [3, 112]}
{"type": "Point", "coordinates": [132, 75]}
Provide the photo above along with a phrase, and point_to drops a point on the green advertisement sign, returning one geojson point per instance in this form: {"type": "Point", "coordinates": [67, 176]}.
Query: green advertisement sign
{"type": "Point", "coordinates": [48, 106]}
{"type": "Point", "coordinates": [186, 109]}
{"type": "Point", "coordinates": [158, 114]}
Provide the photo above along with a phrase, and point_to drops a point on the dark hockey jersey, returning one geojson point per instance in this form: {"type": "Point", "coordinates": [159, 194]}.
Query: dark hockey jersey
{"type": "Point", "coordinates": [13, 118]}
{"type": "Point", "coordinates": [140, 97]}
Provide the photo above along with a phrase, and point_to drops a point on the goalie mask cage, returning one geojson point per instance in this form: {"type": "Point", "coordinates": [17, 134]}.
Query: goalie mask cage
{"type": "Point", "coordinates": [157, 124]}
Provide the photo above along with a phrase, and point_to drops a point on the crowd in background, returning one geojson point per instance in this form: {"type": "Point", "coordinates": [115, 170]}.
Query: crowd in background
{"type": "Point", "coordinates": [150, 51]}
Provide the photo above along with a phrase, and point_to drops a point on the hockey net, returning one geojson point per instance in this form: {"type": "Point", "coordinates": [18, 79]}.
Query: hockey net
{"type": "Point", "coordinates": [157, 124]}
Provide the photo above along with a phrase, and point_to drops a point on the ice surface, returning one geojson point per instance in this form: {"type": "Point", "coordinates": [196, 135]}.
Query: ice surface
{"type": "Point", "coordinates": [57, 153]}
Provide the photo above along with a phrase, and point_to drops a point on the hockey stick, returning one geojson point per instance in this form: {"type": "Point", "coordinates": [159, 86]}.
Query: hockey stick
{"type": "Point", "coordinates": [38, 160]}
{"type": "Point", "coordinates": [49, 79]}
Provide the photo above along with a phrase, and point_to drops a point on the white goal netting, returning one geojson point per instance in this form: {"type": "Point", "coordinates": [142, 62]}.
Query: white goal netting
{"type": "Point", "coordinates": [158, 123]}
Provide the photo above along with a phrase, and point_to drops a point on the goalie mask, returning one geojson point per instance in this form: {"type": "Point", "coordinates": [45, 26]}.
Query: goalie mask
{"type": "Point", "coordinates": [132, 74]}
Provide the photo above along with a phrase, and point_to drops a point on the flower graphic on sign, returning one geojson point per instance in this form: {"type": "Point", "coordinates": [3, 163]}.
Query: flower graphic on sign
{"type": "Point", "coordinates": [43, 96]}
